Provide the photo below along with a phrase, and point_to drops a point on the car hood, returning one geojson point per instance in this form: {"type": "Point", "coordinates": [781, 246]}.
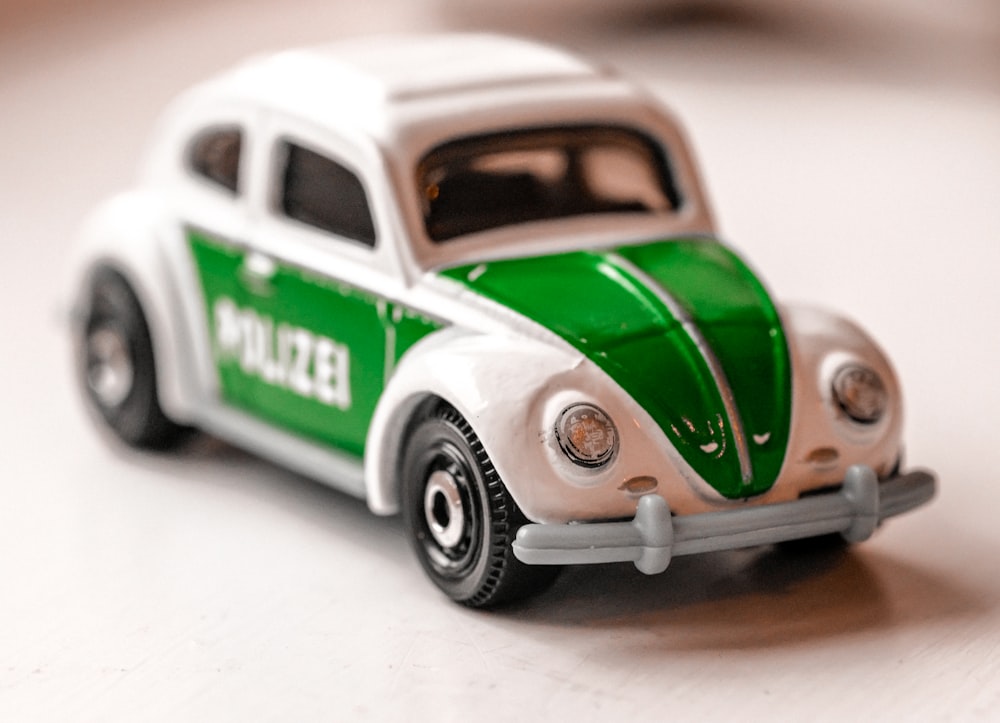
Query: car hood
{"type": "Point", "coordinates": [685, 328]}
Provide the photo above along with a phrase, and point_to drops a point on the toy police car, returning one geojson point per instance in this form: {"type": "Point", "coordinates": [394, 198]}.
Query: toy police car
{"type": "Point", "coordinates": [475, 280]}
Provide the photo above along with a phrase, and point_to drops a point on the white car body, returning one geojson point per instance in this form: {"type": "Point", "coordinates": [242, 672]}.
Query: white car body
{"type": "Point", "coordinates": [378, 106]}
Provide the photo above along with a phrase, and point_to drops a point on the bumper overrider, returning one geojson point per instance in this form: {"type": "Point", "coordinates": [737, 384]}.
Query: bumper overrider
{"type": "Point", "coordinates": [654, 535]}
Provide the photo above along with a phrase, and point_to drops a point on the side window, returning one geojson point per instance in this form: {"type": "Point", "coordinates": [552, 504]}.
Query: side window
{"type": "Point", "coordinates": [215, 155]}
{"type": "Point", "coordinates": [318, 191]}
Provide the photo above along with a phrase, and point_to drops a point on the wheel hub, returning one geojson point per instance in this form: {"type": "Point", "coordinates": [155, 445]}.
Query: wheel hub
{"type": "Point", "coordinates": [110, 372]}
{"type": "Point", "coordinates": [443, 509]}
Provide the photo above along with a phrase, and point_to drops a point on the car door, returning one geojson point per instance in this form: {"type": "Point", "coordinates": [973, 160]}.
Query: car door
{"type": "Point", "coordinates": [304, 331]}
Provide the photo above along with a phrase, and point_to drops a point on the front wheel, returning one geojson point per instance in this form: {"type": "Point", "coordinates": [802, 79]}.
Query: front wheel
{"type": "Point", "coordinates": [461, 519]}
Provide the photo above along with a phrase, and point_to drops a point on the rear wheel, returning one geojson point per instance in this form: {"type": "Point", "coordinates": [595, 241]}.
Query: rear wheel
{"type": "Point", "coordinates": [117, 370]}
{"type": "Point", "coordinates": [461, 519]}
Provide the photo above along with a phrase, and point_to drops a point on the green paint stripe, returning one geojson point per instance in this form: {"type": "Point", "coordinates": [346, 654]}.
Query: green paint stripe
{"type": "Point", "coordinates": [741, 324]}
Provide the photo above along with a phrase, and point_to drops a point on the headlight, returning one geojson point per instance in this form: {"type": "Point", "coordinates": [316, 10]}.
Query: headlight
{"type": "Point", "coordinates": [586, 435]}
{"type": "Point", "coordinates": [860, 393]}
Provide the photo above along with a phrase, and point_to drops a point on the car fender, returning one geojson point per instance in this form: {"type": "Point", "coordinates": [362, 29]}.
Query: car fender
{"type": "Point", "coordinates": [126, 234]}
{"type": "Point", "coordinates": [511, 388]}
{"type": "Point", "coordinates": [823, 443]}
{"type": "Point", "coordinates": [491, 380]}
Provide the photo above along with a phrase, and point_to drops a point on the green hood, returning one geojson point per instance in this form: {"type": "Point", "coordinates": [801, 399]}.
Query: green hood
{"type": "Point", "coordinates": [685, 328]}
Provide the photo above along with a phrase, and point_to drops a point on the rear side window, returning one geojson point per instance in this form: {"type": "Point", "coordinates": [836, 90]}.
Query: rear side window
{"type": "Point", "coordinates": [322, 193]}
{"type": "Point", "coordinates": [215, 156]}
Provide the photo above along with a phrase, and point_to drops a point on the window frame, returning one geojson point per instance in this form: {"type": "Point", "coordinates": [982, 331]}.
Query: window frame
{"type": "Point", "coordinates": [204, 134]}
{"type": "Point", "coordinates": [532, 137]}
{"type": "Point", "coordinates": [282, 147]}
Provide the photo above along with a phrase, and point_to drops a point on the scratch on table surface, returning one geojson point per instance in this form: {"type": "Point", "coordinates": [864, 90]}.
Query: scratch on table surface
{"type": "Point", "coordinates": [399, 667]}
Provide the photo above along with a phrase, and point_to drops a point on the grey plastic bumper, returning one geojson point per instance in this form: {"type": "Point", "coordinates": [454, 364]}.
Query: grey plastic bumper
{"type": "Point", "coordinates": [654, 536]}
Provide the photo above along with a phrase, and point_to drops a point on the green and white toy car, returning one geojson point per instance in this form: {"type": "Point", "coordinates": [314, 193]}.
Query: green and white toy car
{"type": "Point", "coordinates": [475, 280]}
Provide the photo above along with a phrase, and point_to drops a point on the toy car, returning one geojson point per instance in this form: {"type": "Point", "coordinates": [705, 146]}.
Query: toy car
{"type": "Point", "coordinates": [475, 280]}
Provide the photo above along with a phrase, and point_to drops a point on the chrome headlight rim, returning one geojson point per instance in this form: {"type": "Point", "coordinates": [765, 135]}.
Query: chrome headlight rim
{"type": "Point", "coordinates": [587, 435]}
{"type": "Point", "coordinates": [860, 394]}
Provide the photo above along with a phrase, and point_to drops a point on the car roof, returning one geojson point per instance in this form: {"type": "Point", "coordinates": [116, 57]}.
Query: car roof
{"type": "Point", "coordinates": [389, 99]}
{"type": "Point", "coordinates": [374, 85]}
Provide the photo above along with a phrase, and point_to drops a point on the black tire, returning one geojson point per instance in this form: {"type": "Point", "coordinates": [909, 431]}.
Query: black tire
{"type": "Point", "coordinates": [465, 548]}
{"type": "Point", "coordinates": [117, 370]}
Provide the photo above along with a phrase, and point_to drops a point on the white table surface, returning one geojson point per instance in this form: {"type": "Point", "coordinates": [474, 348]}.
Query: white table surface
{"type": "Point", "coordinates": [852, 154]}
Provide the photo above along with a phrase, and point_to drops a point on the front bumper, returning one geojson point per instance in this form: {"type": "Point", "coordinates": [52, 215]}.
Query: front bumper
{"type": "Point", "coordinates": [654, 535]}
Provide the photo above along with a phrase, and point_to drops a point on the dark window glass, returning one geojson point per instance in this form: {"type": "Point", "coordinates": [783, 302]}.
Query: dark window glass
{"type": "Point", "coordinates": [322, 193]}
{"type": "Point", "coordinates": [482, 182]}
{"type": "Point", "coordinates": [215, 155]}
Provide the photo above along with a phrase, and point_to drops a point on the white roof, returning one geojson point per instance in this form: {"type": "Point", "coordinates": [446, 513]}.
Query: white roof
{"type": "Point", "coordinates": [387, 100]}
{"type": "Point", "coordinates": [367, 83]}
{"type": "Point", "coordinates": [400, 67]}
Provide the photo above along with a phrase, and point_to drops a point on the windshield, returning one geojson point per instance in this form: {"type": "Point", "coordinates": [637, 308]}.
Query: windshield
{"type": "Point", "coordinates": [484, 182]}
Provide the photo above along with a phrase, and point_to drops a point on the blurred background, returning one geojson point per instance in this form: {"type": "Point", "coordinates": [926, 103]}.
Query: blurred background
{"type": "Point", "coordinates": [852, 152]}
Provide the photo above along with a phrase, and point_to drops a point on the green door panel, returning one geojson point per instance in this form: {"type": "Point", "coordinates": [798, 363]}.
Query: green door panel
{"type": "Point", "coordinates": [304, 352]}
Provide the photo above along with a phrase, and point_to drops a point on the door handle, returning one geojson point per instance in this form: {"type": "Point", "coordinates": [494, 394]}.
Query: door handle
{"type": "Point", "coordinates": [257, 273]}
